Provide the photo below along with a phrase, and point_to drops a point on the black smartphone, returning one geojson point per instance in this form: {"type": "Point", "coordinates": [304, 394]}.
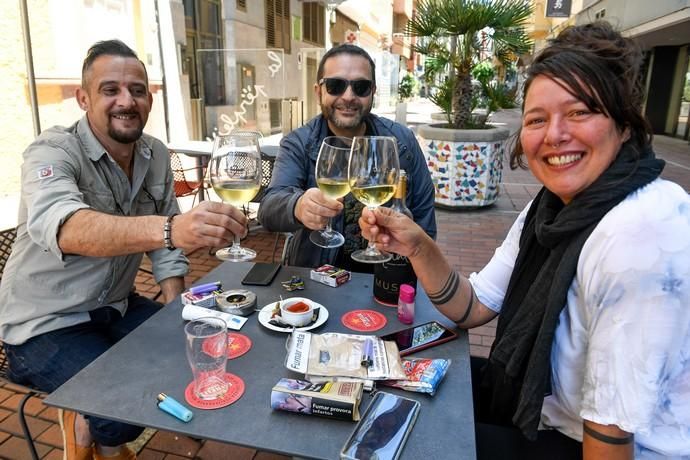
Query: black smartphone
{"type": "Point", "coordinates": [420, 337]}
{"type": "Point", "coordinates": [261, 274]}
{"type": "Point", "coordinates": [383, 430]}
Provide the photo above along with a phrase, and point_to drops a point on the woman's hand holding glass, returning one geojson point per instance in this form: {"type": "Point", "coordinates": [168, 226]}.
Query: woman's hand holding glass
{"type": "Point", "coordinates": [373, 176]}
{"type": "Point", "coordinates": [393, 231]}
{"type": "Point", "coordinates": [331, 178]}
{"type": "Point", "coordinates": [235, 172]}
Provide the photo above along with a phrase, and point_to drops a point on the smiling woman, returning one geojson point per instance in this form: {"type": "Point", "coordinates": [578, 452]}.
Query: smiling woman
{"type": "Point", "coordinates": [588, 283]}
{"type": "Point", "coordinates": [567, 145]}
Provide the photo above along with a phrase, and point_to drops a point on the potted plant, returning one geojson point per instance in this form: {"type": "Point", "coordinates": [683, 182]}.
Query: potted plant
{"type": "Point", "coordinates": [407, 87]}
{"type": "Point", "coordinates": [465, 155]}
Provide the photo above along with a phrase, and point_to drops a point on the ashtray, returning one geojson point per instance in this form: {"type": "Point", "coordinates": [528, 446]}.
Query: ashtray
{"type": "Point", "coordinates": [237, 302]}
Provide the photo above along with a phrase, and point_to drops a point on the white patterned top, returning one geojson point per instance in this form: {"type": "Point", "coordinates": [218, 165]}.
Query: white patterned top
{"type": "Point", "coordinates": [621, 353]}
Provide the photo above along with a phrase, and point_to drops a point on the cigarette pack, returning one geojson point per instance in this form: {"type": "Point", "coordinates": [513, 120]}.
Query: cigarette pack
{"type": "Point", "coordinates": [338, 400]}
{"type": "Point", "coordinates": [330, 275]}
{"type": "Point", "coordinates": [206, 300]}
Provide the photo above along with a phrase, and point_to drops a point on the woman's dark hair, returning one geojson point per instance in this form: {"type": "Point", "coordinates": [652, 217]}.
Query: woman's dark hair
{"type": "Point", "coordinates": [600, 67]}
{"type": "Point", "coordinates": [346, 49]}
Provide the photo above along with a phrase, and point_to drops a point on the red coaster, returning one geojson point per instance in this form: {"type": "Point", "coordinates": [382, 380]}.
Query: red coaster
{"type": "Point", "coordinates": [364, 320]}
{"type": "Point", "coordinates": [235, 390]}
{"type": "Point", "coordinates": [213, 346]}
{"type": "Point", "coordinates": [238, 344]}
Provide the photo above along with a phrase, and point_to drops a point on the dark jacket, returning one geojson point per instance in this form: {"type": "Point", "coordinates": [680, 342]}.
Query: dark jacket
{"type": "Point", "coordinates": [293, 174]}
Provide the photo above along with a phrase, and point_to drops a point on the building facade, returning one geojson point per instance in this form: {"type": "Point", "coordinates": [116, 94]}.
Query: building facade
{"type": "Point", "coordinates": [213, 65]}
{"type": "Point", "coordinates": [664, 33]}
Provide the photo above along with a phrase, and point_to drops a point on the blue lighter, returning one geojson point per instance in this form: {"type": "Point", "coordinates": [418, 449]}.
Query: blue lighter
{"type": "Point", "coordinates": [174, 408]}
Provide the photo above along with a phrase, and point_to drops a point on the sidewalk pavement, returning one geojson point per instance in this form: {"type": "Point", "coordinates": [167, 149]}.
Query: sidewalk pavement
{"type": "Point", "coordinates": [468, 239]}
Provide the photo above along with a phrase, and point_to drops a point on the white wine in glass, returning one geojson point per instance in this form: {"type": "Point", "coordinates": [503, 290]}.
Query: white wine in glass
{"type": "Point", "coordinates": [373, 175]}
{"type": "Point", "coordinates": [235, 172]}
{"type": "Point", "coordinates": [331, 178]}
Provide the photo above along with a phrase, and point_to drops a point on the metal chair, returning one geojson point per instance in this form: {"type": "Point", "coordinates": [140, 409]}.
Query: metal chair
{"type": "Point", "coordinates": [7, 238]}
{"type": "Point", "coordinates": [184, 186]}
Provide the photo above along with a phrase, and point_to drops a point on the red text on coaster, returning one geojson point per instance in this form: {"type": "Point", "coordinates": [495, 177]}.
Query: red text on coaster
{"type": "Point", "coordinates": [364, 320]}
{"type": "Point", "coordinates": [238, 344]}
{"type": "Point", "coordinates": [234, 392]}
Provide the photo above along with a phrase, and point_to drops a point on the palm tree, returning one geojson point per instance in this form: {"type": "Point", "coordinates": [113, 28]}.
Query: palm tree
{"type": "Point", "coordinates": [453, 29]}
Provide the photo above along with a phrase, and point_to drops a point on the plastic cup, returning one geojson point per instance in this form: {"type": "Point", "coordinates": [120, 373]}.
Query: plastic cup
{"type": "Point", "coordinates": [207, 346]}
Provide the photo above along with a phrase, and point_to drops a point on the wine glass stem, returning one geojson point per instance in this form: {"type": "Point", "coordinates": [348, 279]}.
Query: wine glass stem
{"type": "Point", "coordinates": [236, 243]}
{"type": "Point", "coordinates": [371, 247]}
{"type": "Point", "coordinates": [328, 230]}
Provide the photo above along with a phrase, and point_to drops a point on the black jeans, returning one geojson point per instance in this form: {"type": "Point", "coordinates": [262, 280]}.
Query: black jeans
{"type": "Point", "coordinates": [496, 442]}
{"type": "Point", "coordinates": [49, 360]}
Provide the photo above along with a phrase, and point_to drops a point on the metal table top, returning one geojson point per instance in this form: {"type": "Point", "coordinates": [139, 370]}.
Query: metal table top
{"type": "Point", "coordinates": [122, 384]}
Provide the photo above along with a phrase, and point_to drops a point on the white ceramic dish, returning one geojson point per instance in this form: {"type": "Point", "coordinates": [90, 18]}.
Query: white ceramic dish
{"type": "Point", "coordinates": [265, 316]}
{"type": "Point", "coordinates": [297, 319]}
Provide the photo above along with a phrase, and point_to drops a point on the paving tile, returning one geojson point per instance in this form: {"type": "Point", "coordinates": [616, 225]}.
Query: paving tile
{"type": "Point", "coordinates": [55, 454]}
{"type": "Point", "coordinates": [11, 425]}
{"type": "Point", "coordinates": [261, 455]}
{"type": "Point", "coordinates": [174, 443]}
{"type": "Point", "coordinates": [212, 450]}
{"type": "Point", "coordinates": [15, 448]}
{"type": "Point", "coordinates": [33, 406]}
{"type": "Point", "coordinates": [52, 436]}
{"type": "Point", "coordinates": [4, 413]}
{"type": "Point", "coordinates": [149, 454]}
{"type": "Point", "coordinates": [50, 414]}
{"type": "Point", "coordinates": [4, 394]}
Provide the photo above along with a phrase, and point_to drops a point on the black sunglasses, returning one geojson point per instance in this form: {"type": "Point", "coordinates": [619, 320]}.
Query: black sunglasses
{"type": "Point", "coordinates": [337, 86]}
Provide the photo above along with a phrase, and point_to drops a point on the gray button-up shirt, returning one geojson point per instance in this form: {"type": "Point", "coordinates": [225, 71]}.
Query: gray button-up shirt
{"type": "Point", "coordinates": [65, 170]}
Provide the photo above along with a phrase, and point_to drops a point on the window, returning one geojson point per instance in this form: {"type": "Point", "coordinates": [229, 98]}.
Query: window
{"type": "Point", "coordinates": [600, 14]}
{"type": "Point", "coordinates": [242, 5]}
{"type": "Point", "coordinates": [278, 24]}
{"type": "Point", "coordinates": [274, 108]}
{"type": "Point", "coordinates": [313, 18]}
{"type": "Point", "coordinates": [204, 31]}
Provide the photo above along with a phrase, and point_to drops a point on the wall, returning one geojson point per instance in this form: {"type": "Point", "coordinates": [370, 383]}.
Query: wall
{"type": "Point", "coordinates": [61, 32]}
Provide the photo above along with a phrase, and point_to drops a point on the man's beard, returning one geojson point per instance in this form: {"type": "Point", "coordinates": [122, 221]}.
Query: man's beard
{"type": "Point", "coordinates": [329, 112]}
{"type": "Point", "coordinates": [125, 136]}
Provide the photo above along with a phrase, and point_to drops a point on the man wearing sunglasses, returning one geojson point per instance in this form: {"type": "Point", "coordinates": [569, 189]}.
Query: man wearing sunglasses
{"type": "Point", "coordinates": [345, 89]}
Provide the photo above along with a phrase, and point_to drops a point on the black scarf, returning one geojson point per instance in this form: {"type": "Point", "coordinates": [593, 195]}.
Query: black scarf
{"type": "Point", "coordinates": [517, 376]}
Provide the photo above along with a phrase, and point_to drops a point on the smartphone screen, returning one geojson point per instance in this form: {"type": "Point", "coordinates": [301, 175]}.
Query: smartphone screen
{"type": "Point", "coordinates": [382, 432]}
{"type": "Point", "coordinates": [420, 337]}
{"type": "Point", "coordinates": [261, 274]}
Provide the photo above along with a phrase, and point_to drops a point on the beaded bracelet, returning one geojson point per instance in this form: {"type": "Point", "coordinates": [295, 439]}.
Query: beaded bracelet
{"type": "Point", "coordinates": [167, 234]}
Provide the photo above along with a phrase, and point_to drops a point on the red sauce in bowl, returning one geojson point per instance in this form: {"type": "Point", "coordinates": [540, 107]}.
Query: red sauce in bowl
{"type": "Point", "coordinates": [299, 307]}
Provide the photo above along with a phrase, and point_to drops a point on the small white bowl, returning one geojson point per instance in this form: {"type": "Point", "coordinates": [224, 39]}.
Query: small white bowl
{"type": "Point", "coordinates": [296, 318]}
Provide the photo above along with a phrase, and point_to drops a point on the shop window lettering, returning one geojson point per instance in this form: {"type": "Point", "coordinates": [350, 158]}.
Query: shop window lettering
{"type": "Point", "coordinates": [277, 63]}
{"type": "Point", "coordinates": [226, 123]}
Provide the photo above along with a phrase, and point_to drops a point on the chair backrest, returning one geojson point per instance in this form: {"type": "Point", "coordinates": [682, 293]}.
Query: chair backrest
{"type": "Point", "coordinates": [267, 162]}
{"type": "Point", "coordinates": [7, 238]}
{"type": "Point", "coordinates": [183, 187]}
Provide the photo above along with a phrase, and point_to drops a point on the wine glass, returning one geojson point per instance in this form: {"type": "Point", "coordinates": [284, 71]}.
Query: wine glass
{"type": "Point", "coordinates": [235, 173]}
{"type": "Point", "coordinates": [373, 176]}
{"type": "Point", "coordinates": [331, 178]}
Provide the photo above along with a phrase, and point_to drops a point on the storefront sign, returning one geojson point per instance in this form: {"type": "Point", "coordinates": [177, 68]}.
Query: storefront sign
{"type": "Point", "coordinates": [558, 8]}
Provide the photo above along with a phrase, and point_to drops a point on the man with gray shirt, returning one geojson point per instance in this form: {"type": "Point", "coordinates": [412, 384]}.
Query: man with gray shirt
{"type": "Point", "coordinates": [95, 197]}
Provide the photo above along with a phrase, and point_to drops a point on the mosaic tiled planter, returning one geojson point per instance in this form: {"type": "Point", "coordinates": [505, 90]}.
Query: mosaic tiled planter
{"type": "Point", "coordinates": [465, 164]}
